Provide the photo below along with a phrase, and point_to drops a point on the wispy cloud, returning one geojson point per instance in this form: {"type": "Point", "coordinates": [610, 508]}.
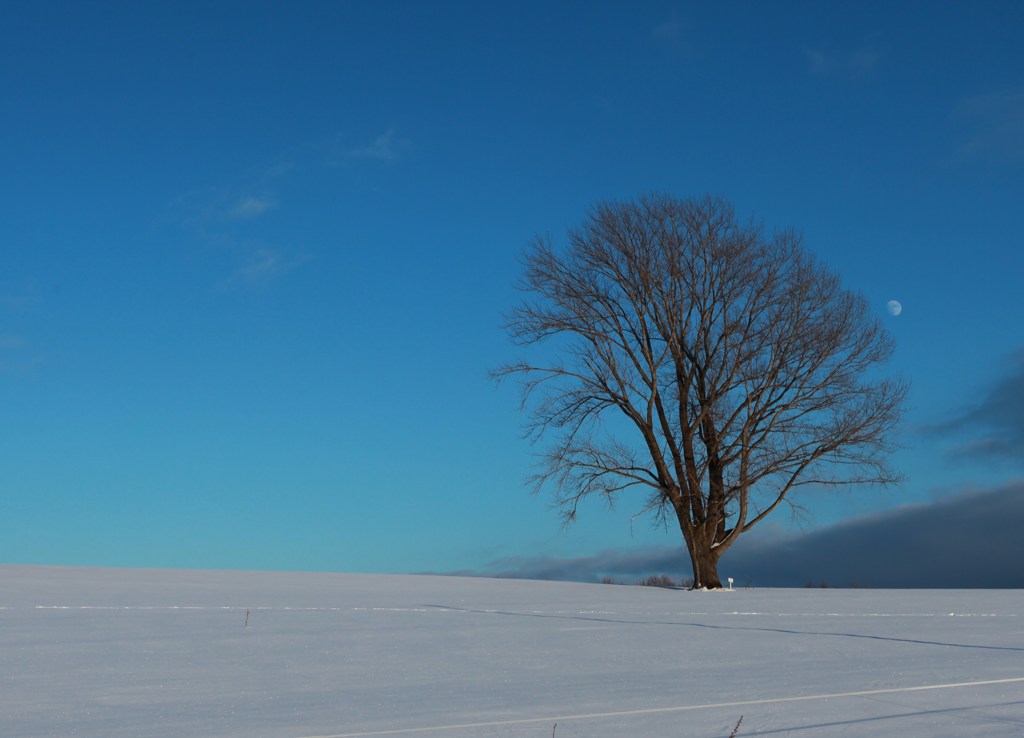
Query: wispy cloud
{"type": "Point", "coordinates": [18, 301]}
{"type": "Point", "coordinates": [251, 206]}
{"type": "Point", "coordinates": [387, 147]}
{"type": "Point", "coordinates": [16, 354]}
{"type": "Point", "coordinates": [856, 64]}
{"type": "Point", "coordinates": [677, 37]}
{"type": "Point", "coordinates": [10, 341]}
{"type": "Point", "coordinates": [670, 30]}
{"type": "Point", "coordinates": [261, 265]}
{"type": "Point", "coordinates": [994, 426]}
{"type": "Point", "coordinates": [253, 194]}
{"type": "Point", "coordinates": [226, 219]}
{"type": "Point", "coordinates": [995, 126]}
{"type": "Point", "coordinates": [210, 210]}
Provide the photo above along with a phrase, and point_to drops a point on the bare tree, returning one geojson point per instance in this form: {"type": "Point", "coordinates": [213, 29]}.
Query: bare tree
{"type": "Point", "coordinates": [701, 362]}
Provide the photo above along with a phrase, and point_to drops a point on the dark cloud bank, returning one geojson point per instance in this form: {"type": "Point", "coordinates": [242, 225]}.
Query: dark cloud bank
{"type": "Point", "coordinates": [974, 539]}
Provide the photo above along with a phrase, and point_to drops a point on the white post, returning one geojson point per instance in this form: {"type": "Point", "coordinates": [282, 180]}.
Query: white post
{"type": "Point", "coordinates": [730, 582]}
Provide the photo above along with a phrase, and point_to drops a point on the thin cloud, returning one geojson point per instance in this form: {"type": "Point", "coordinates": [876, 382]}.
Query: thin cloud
{"type": "Point", "coordinates": [210, 208]}
{"type": "Point", "coordinates": [995, 123]}
{"type": "Point", "coordinates": [669, 30]}
{"type": "Point", "coordinates": [222, 219]}
{"type": "Point", "coordinates": [261, 266]}
{"type": "Point", "coordinates": [16, 354]}
{"type": "Point", "coordinates": [676, 37]}
{"type": "Point", "coordinates": [995, 424]}
{"type": "Point", "coordinates": [672, 32]}
{"type": "Point", "coordinates": [251, 207]}
{"type": "Point", "coordinates": [264, 265]}
{"type": "Point", "coordinates": [387, 147]}
{"type": "Point", "coordinates": [18, 301]}
{"type": "Point", "coordinates": [10, 342]}
{"type": "Point", "coordinates": [214, 208]}
{"type": "Point", "coordinates": [856, 64]}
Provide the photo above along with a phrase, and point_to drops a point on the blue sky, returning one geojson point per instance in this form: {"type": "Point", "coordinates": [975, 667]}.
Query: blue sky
{"type": "Point", "coordinates": [254, 256]}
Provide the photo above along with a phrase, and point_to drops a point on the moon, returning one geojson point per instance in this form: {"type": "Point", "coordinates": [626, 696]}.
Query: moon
{"type": "Point", "coordinates": [894, 307]}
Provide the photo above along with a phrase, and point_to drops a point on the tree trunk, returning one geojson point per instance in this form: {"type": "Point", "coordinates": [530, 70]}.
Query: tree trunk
{"type": "Point", "coordinates": [703, 558]}
{"type": "Point", "coordinates": [705, 565]}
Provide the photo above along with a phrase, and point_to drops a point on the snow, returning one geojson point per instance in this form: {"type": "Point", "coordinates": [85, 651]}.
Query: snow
{"type": "Point", "coordinates": [94, 652]}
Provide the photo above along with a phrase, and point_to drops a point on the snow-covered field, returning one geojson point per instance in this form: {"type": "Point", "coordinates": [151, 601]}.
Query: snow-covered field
{"type": "Point", "coordinates": [104, 653]}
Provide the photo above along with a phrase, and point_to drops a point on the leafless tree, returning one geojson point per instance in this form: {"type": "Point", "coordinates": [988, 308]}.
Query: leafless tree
{"type": "Point", "coordinates": [702, 362]}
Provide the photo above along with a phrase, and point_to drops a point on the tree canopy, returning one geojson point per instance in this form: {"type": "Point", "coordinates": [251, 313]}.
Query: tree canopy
{"type": "Point", "coordinates": [701, 362]}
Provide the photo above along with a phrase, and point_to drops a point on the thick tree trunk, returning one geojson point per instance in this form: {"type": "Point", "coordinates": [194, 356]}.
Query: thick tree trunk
{"type": "Point", "coordinates": [705, 566]}
{"type": "Point", "coordinates": [703, 558]}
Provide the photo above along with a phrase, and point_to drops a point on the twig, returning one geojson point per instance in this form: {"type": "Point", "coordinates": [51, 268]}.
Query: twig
{"type": "Point", "coordinates": [737, 728]}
